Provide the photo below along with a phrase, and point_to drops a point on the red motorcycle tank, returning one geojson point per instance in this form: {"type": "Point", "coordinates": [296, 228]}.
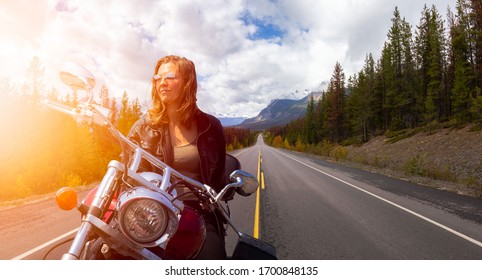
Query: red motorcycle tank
{"type": "Point", "coordinates": [90, 197]}
{"type": "Point", "coordinates": [189, 238]}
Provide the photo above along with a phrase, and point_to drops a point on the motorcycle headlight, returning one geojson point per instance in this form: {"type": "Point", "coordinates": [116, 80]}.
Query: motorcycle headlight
{"type": "Point", "coordinates": [146, 217]}
{"type": "Point", "coordinates": [144, 220]}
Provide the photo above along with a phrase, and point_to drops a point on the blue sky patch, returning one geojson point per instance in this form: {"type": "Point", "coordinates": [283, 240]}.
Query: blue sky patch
{"type": "Point", "coordinates": [265, 29]}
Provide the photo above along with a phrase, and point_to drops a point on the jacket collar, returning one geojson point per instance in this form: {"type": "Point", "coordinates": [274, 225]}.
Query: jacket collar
{"type": "Point", "coordinates": [202, 121]}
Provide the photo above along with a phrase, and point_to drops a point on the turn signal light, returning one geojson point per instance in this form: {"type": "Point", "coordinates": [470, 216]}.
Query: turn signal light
{"type": "Point", "coordinates": [66, 198]}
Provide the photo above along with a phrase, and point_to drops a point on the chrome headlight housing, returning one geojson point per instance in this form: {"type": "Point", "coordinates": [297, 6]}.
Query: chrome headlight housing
{"type": "Point", "coordinates": [146, 217]}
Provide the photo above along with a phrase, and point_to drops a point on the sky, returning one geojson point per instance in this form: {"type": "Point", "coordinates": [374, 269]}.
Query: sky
{"type": "Point", "coordinates": [246, 52]}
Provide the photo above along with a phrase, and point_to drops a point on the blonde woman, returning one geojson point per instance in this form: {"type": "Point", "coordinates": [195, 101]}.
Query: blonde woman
{"type": "Point", "coordinates": [187, 139]}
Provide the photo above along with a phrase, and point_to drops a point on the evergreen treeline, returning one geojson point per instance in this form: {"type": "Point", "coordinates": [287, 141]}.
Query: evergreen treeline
{"type": "Point", "coordinates": [425, 76]}
{"type": "Point", "coordinates": [238, 138]}
{"type": "Point", "coordinates": [42, 150]}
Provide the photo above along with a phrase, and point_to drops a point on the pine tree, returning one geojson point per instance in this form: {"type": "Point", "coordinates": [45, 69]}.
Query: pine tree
{"type": "Point", "coordinates": [114, 110]}
{"type": "Point", "coordinates": [370, 104]}
{"type": "Point", "coordinates": [436, 98]}
{"type": "Point", "coordinates": [321, 117]}
{"type": "Point", "coordinates": [35, 74]}
{"type": "Point", "coordinates": [464, 88]}
{"type": "Point", "coordinates": [336, 101]}
{"type": "Point", "coordinates": [309, 134]}
{"type": "Point", "coordinates": [409, 80]}
{"type": "Point", "coordinates": [476, 16]}
{"type": "Point", "coordinates": [358, 111]}
{"type": "Point", "coordinates": [136, 111]}
{"type": "Point", "coordinates": [400, 80]}
{"type": "Point", "coordinates": [129, 113]}
{"type": "Point", "coordinates": [477, 34]}
{"type": "Point", "coordinates": [385, 83]}
{"type": "Point", "coordinates": [379, 114]}
{"type": "Point", "coordinates": [104, 96]}
{"type": "Point", "coordinates": [124, 114]}
{"type": "Point", "coordinates": [422, 50]}
{"type": "Point", "coordinates": [352, 105]}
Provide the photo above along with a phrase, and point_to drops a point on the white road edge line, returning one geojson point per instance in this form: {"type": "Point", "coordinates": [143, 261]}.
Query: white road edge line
{"type": "Point", "coordinates": [476, 242]}
{"type": "Point", "coordinates": [19, 257]}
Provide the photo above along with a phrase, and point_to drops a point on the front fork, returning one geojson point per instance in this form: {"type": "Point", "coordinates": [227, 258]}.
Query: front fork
{"type": "Point", "coordinates": [101, 199]}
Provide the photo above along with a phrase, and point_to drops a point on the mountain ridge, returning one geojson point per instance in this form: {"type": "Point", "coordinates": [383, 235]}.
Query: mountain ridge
{"type": "Point", "coordinates": [279, 112]}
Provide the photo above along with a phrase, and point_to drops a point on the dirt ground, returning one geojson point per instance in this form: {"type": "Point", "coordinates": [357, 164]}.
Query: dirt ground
{"type": "Point", "coordinates": [449, 159]}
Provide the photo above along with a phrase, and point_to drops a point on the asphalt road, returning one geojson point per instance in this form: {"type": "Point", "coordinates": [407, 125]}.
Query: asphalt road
{"type": "Point", "coordinates": [309, 209]}
{"type": "Point", "coordinates": [314, 209]}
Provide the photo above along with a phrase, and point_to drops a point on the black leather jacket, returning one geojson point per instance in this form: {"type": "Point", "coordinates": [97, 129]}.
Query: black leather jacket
{"type": "Point", "coordinates": [211, 145]}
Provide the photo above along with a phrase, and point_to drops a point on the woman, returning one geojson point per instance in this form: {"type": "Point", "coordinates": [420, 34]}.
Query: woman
{"type": "Point", "coordinates": [185, 138]}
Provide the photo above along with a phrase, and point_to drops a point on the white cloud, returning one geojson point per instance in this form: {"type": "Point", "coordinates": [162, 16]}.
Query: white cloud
{"type": "Point", "coordinates": [120, 42]}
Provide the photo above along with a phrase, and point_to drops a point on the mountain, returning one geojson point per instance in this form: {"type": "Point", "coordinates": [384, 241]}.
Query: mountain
{"type": "Point", "coordinates": [279, 112]}
{"type": "Point", "coordinates": [230, 121]}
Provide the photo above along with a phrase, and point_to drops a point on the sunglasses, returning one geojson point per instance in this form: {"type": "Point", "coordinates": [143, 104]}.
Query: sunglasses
{"type": "Point", "coordinates": [168, 77]}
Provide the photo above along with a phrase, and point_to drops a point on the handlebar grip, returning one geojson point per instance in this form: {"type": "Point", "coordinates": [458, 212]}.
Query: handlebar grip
{"type": "Point", "coordinates": [60, 107]}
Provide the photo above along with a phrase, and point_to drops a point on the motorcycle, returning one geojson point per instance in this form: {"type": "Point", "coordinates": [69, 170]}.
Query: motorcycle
{"type": "Point", "coordinates": [135, 214]}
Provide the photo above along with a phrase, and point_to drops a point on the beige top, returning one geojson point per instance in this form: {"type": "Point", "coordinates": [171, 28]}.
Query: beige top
{"type": "Point", "coordinates": [186, 161]}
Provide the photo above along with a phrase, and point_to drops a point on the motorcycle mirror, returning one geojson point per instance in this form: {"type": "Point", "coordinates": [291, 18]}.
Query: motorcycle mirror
{"type": "Point", "coordinates": [77, 77]}
{"type": "Point", "coordinates": [250, 182]}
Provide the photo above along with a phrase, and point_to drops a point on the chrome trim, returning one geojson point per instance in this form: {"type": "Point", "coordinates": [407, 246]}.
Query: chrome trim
{"type": "Point", "coordinates": [106, 186]}
{"type": "Point", "coordinates": [78, 242]}
{"type": "Point", "coordinates": [173, 213]}
{"type": "Point", "coordinates": [165, 181]}
{"type": "Point", "coordinates": [136, 161]}
{"type": "Point", "coordinates": [152, 177]}
{"type": "Point", "coordinates": [117, 241]}
{"type": "Point", "coordinates": [238, 184]}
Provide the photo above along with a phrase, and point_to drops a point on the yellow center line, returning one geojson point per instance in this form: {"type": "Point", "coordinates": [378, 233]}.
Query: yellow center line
{"type": "Point", "coordinates": [262, 180]}
{"type": "Point", "coordinates": [256, 217]}
{"type": "Point", "coordinates": [259, 164]}
{"type": "Point", "coordinates": [256, 209]}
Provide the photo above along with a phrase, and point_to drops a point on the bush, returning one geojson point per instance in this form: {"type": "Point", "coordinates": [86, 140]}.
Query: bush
{"type": "Point", "coordinates": [70, 180]}
{"type": "Point", "coordinates": [440, 173]}
{"type": "Point", "coordinates": [415, 166]}
{"type": "Point", "coordinates": [476, 108]}
{"type": "Point", "coordinates": [286, 144]}
{"type": "Point", "coordinates": [323, 148]}
{"type": "Point", "coordinates": [339, 153]}
{"type": "Point", "coordinates": [300, 146]}
{"type": "Point", "coordinates": [277, 142]}
{"type": "Point", "coordinates": [378, 162]}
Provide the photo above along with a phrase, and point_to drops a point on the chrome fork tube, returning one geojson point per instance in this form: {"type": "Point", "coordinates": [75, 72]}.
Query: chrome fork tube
{"type": "Point", "coordinates": [99, 202]}
{"type": "Point", "coordinates": [78, 242]}
{"type": "Point", "coordinates": [105, 189]}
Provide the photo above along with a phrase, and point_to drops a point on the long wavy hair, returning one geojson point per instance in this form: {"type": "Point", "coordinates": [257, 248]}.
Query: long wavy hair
{"type": "Point", "coordinates": [157, 113]}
